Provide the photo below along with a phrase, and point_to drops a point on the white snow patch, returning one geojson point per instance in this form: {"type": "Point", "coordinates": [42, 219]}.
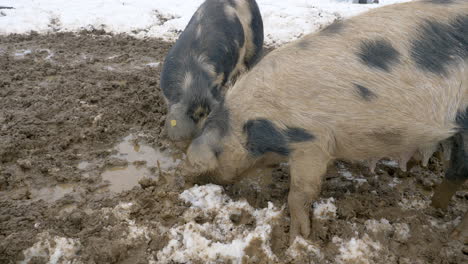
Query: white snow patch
{"type": "Point", "coordinates": [359, 251]}
{"type": "Point", "coordinates": [218, 239]}
{"type": "Point", "coordinates": [390, 163]}
{"type": "Point", "coordinates": [134, 231]}
{"type": "Point", "coordinates": [301, 246]}
{"type": "Point", "coordinates": [402, 232]}
{"type": "Point", "coordinates": [376, 226]}
{"type": "Point", "coordinates": [22, 53]}
{"type": "Point", "coordinates": [54, 248]}
{"type": "Point", "coordinates": [283, 21]}
{"type": "Point", "coordinates": [395, 182]}
{"type": "Point", "coordinates": [153, 64]}
{"type": "Point", "coordinates": [325, 208]}
{"type": "Point", "coordinates": [50, 54]}
{"type": "Point", "coordinates": [343, 171]}
{"type": "Point", "coordinates": [413, 204]}
{"type": "Point", "coordinates": [442, 224]}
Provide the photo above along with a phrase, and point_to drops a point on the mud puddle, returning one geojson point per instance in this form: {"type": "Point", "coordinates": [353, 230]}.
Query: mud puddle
{"type": "Point", "coordinates": [52, 194]}
{"type": "Point", "coordinates": [139, 161]}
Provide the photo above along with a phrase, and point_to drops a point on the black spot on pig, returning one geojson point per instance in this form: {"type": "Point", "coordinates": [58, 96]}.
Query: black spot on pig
{"type": "Point", "coordinates": [458, 169]}
{"type": "Point", "coordinates": [378, 54]}
{"type": "Point", "coordinates": [365, 93]}
{"type": "Point", "coordinates": [462, 119]}
{"type": "Point", "coordinates": [296, 134]}
{"type": "Point", "coordinates": [264, 137]}
{"type": "Point", "coordinates": [257, 32]}
{"type": "Point", "coordinates": [333, 28]}
{"type": "Point", "coordinates": [438, 45]}
{"type": "Point", "coordinates": [389, 137]}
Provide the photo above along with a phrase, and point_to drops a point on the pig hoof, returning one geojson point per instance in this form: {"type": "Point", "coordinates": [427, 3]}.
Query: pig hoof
{"type": "Point", "coordinates": [299, 227]}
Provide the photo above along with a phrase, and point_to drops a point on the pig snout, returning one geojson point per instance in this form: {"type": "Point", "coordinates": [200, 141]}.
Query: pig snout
{"type": "Point", "coordinates": [201, 155]}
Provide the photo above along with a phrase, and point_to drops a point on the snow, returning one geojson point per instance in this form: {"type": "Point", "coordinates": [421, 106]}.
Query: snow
{"type": "Point", "coordinates": [325, 209]}
{"type": "Point", "coordinates": [355, 250]}
{"type": "Point", "coordinates": [283, 20]}
{"type": "Point", "coordinates": [414, 203]}
{"type": "Point", "coordinates": [219, 239]}
{"type": "Point", "coordinates": [54, 248]}
{"type": "Point", "coordinates": [343, 171]}
{"type": "Point", "coordinates": [134, 231]}
{"type": "Point", "coordinates": [375, 226]}
{"type": "Point", "coordinates": [402, 232]}
{"type": "Point", "coordinates": [301, 246]}
{"type": "Point", "coordinates": [395, 182]}
{"type": "Point", "coordinates": [399, 231]}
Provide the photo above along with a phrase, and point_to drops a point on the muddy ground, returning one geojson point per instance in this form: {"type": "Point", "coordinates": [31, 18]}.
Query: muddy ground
{"type": "Point", "coordinates": [87, 175]}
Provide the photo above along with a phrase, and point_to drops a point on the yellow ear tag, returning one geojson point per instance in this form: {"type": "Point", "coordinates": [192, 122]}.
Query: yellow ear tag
{"type": "Point", "coordinates": [173, 123]}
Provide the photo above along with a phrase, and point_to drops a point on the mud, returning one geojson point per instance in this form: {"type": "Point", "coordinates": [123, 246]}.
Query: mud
{"type": "Point", "coordinates": [88, 176]}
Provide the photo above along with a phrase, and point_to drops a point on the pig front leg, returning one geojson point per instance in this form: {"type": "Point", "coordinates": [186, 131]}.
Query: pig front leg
{"type": "Point", "coordinates": [455, 176]}
{"type": "Point", "coordinates": [308, 165]}
{"type": "Point", "coordinates": [456, 173]}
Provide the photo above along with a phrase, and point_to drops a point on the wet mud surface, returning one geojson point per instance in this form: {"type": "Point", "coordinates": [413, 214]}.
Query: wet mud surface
{"type": "Point", "coordinates": [88, 176]}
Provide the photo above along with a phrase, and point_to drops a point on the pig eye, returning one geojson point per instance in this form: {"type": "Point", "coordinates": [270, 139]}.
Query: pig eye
{"type": "Point", "coordinates": [199, 115]}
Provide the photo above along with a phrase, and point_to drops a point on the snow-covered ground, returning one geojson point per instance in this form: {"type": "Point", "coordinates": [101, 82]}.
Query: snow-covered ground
{"type": "Point", "coordinates": [283, 20]}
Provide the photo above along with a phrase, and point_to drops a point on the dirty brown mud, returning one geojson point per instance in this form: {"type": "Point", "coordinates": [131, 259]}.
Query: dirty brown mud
{"type": "Point", "coordinates": [79, 112]}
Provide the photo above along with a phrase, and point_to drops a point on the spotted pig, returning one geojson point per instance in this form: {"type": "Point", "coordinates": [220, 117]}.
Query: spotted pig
{"type": "Point", "coordinates": [387, 83]}
{"type": "Point", "coordinates": [222, 39]}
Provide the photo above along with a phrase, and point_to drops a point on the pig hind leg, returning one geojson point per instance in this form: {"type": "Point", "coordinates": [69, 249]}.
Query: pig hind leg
{"type": "Point", "coordinates": [456, 173]}
{"type": "Point", "coordinates": [308, 165]}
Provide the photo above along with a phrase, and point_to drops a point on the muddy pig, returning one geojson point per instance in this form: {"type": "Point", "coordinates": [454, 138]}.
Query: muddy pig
{"type": "Point", "coordinates": [351, 92]}
{"type": "Point", "coordinates": [222, 39]}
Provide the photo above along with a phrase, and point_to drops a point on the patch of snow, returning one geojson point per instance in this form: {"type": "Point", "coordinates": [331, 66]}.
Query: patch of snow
{"type": "Point", "coordinates": [395, 182]}
{"type": "Point", "coordinates": [413, 204]}
{"type": "Point", "coordinates": [442, 224]}
{"type": "Point", "coordinates": [218, 239]}
{"type": "Point", "coordinates": [153, 64]}
{"type": "Point", "coordinates": [375, 226]}
{"type": "Point", "coordinates": [22, 53]}
{"type": "Point", "coordinates": [325, 208]}
{"type": "Point", "coordinates": [355, 250]}
{"type": "Point", "coordinates": [301, 246]}
{"type": "Point", "coordinates": [49, 52]}
{"type": "Point", "coordinates": [343, 171]}
{"type": "Point", "coordinates": [134, 231]}
{"type": "Point", "coordinates": [283, 21]}
{"type": "Point", "coordinates": [402, 232]}
{"type": "Point", "coordinates": [83, 165]}
{"type": "Point", "coordinates": [390, 163]}
{"type": "Point", "coordinates": [53, 248]}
